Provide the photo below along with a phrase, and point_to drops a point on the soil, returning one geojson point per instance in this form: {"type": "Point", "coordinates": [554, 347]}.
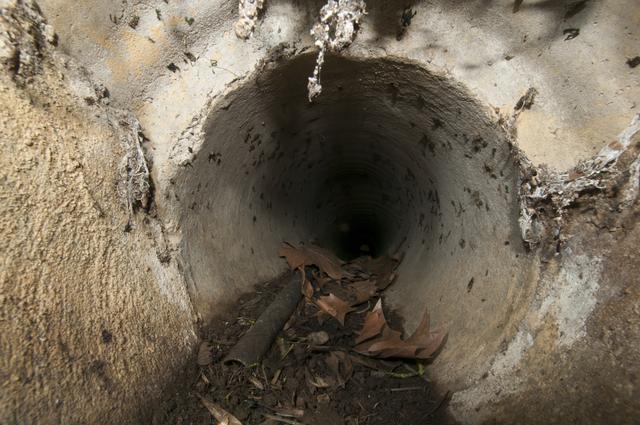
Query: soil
{"type": "Point", "coordinates": [294, 383]}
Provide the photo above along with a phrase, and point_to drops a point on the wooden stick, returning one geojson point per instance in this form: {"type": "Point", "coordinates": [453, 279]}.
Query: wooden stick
{"type": "Point", "coordinates": [252, 346]}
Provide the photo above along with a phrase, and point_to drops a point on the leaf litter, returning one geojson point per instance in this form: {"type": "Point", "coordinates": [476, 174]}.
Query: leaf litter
{"type": "Point", "coordinates": [338, 360]}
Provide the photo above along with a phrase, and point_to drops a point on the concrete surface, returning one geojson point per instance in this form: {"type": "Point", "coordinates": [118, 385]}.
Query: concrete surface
{"type": "Point", "coordinates": [241, 161]}
{"type": "Point", "coordinates": [91, 319]}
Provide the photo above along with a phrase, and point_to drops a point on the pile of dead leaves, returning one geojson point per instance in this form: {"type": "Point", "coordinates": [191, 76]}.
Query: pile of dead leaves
{"type": "Point", "coordinates": [338, 360]}
{"type": "Point", "coordinates": [339, 288]}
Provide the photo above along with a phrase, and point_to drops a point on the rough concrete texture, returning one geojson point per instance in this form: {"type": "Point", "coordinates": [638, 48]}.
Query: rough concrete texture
{"type": "Point", "coordinates": [362, 164]}
{"type": "Point", "coordinates": [575, 358]}
{"type": "Point", "coordinates": [547, 325]}
{"type": "Point", "coordinates": [587, 92]}
{"type": "Point", "coordinates": [95, 324]}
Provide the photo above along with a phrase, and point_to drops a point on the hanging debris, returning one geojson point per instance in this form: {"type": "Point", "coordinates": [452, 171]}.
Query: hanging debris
{"type": "Point", "coordinates": [547, 195]}
{"type": "Point", "coordinates": [338, 26]}
{"type": "Point", "coordinates": [134, 188]}
{"type": "Point", "coordinates": [249, 11]}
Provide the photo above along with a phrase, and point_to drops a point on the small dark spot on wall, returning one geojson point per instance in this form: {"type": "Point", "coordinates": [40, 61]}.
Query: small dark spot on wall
{"type": "Point", "coordinates": [106, 336]}
{"type": "Point", "coordinates": [97, 367]}
{"type": "Point", "coordinates": [633, 62]}
{"type": "Point", "coordinates": [478, 143]}
{"type": "Point", "coordinates": [134, 21]}
{"type": "Point", "coordinates": [462, 243]}
{"type": "Point", "coordinates": [190, 57]}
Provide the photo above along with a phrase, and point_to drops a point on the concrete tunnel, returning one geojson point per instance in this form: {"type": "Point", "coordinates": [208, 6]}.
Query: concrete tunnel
{"type": "Point", "coordinates": [404, 148]}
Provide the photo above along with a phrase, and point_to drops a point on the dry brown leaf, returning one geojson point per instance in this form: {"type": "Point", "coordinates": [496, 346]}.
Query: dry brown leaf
{"type": "Point", "coordinates": [294, 256]}
{"type": "Point", "coordinates": [389, 344]}
{"type": "Point", "coordinates": [323, 280]}
{"type": "Point", "coordinates": [374, 322]}
{"type": "Point", "coordinates": [222, 416]}
{"type": "Point", "coordinates": [433, 344]}
{"type": "Point", "coordinates": [334, 306]}
{"type": "Point", "coordinates": [308, 255]}
{"type": "Point", "coordinates": [420, 345]}
{"type": "Point", "coordinates": [204, 354]}
{"type": "Point", "coordinates": [383, 268]}
{"type": "Point", "coordinates": [421, 334]}
{"type": "Point", "coordinates": [361, 291]}
{"type": "Point", "coordinates": [425, 339]}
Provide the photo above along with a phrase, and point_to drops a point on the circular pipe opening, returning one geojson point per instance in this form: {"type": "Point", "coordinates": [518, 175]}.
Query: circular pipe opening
{"type": "Point", "coordinates": [390, 155]}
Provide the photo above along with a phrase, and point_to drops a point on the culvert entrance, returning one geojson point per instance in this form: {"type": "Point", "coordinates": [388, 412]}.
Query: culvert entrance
{"type": "Point", "coordinates": [389, 156]}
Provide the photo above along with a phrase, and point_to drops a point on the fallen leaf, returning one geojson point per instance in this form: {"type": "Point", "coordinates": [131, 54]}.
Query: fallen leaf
{"type": "Point", "coordinates": [334, 306]}
{"type": "Point", "coordinates": [318, 338]}
{"type": "Point", "coordinates": [222, 416]}
{"type": "Point", "coordinates": [378, 340]}
{"type": "Point", "coordinates": [361, 291]}
{"type": "Point", "coordinates": [421, 334]}
{"type": "Point", "coordinates": [323, 280]}
{"type": "Point", "coordinates": [383, 268]}
{"type": "Point", "coordinates": [373, 323]}
{"type": "Point", "coordinates": [389, 344]}
{"type": "Point", "coordinates": [204, 354]}
{"type": "Point", "coordinates": [425, 339]}
{"type": "Point", "coordinates": [295, 257]}
{"type": "Point", "coordinates": [433, 344]}
{"type": "Point", "coordinates": [313, 255]}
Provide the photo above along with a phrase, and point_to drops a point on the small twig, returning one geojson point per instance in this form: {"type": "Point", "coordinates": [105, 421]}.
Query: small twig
{"type": "Point", "coordinates": [283, 420]}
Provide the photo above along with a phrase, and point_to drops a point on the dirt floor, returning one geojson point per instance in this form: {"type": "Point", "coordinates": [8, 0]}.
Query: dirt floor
{"type": "Point", "coordinates": [311, 374]}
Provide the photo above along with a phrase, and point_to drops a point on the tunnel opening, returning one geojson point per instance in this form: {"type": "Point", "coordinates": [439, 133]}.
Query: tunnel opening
{"type": "Point", "coordinates": [391, 156]}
